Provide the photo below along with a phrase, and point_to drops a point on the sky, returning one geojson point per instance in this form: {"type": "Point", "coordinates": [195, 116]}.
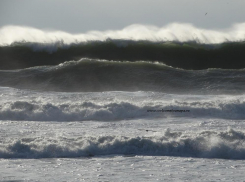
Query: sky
{"type": "Point", "coordinates": [76, 16]}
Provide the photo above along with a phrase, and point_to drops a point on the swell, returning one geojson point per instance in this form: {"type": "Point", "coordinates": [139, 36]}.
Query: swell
{"type": "Point", "coordinates": [186, 55]}
{"type": "Point", "coordinates": [89, 75]}
{"type": "Point", "coordinates": [206, 144]}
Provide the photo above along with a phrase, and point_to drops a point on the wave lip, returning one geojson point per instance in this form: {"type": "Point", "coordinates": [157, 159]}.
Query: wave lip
{"type": "Point", "coordinates": [207, 144]}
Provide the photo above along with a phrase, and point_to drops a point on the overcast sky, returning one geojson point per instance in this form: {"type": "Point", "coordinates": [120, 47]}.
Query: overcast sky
{"type": "Point", "coordinates": [76, 16]}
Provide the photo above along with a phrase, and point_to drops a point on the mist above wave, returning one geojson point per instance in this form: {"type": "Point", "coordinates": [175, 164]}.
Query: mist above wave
{"type": "Point", "coordinates": [181, 32]}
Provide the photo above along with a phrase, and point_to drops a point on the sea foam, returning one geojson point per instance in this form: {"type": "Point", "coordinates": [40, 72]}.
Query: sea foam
{"type": "Point", "coordinates": [182, 32]}
{"type": "Point", "coordinates": [119, 110]}
{"type": "Point", "coordinates": [206, 144]}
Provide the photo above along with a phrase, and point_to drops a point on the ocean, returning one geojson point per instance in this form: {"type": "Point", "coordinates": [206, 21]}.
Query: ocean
{"type": "Point", "coordinates": [122, 109]}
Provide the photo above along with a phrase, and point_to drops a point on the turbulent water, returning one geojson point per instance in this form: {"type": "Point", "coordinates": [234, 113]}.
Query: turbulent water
{"type": "Point", "coordinates": [102, 105]}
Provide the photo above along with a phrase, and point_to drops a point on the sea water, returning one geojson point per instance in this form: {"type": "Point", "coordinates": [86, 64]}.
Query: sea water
{"type": "Point", "coordinates": [112, 136]}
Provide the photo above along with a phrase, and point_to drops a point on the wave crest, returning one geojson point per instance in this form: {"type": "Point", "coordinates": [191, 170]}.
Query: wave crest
{"type": "Point", "coordinates": [181, 32]}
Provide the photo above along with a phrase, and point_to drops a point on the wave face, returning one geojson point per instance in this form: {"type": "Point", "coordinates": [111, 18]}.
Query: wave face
{"type": "Point", "coordinates": [206, 144]}
{"type": "Point", "coordinates": [185, 55]}
{"type": "Point", "coordinates": [91, 75]}
{"type": "Point", "coordinates": [177, 45]}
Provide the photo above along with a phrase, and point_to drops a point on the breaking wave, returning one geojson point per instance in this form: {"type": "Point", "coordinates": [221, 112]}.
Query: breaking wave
{"type": "Point", "coordinates": [35, 110]}
{"type": "Point", "coordinates": [207, 144]}
{"type": "Point", "coordinates": [178, 45]}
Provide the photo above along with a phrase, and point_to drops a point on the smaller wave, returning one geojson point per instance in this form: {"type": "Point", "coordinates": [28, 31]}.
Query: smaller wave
{"type": "Point", "coordinates": [207, 144]}
{"type": "Point", "coordinates": [119, 110]}
{"type": "Point", "coordinates": [94, 75]}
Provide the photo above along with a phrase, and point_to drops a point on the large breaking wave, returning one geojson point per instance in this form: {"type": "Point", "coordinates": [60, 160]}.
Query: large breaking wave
{"type": "Point", "coordinates": [207, 144]}
{"type": "Point", "coordinates": [177, 45]}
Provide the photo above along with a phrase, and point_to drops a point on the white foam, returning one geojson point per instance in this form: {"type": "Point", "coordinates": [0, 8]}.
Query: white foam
{"type": "Point", "coordinates": [114, 110]}
{"type": "Point", "coordinates": [172, 32]}
{"type": "Point", "coordinates": [206, 144]}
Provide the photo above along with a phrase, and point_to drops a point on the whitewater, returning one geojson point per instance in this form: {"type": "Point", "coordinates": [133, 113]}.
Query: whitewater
{"type": "Point", "coordinates": [181, 32]}
{"type": "Point", "coordinates": [139, 104]}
